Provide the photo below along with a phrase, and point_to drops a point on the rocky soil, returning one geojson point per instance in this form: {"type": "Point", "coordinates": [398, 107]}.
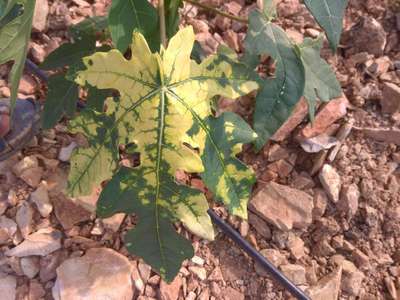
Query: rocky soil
{"type": "Point", "coordinates": [325, 210]}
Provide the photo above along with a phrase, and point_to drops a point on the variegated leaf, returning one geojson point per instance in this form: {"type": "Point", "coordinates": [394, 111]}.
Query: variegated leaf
{"type": "Point", "coordinates": [162, 96]}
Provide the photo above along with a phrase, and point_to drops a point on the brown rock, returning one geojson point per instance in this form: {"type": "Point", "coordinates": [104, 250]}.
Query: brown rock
{"type": "Point", "coordinates": [41, 243]}
{"type": "Point", "coordinates": [328, 287]}
{"type": "Point", "coordinates": [331, 182]}
{"type": "Point", "coordinates": [69, 213]}
{"type": "Point", "coordinates": [296, 273]}
{"type": "Point", "coordinates": [260, 226]}
{"type": "Point", "coordinates": [390, 286]}
{"type": "Point", "coordinates": [349, 200]}
{"type": "Point", "coordinates": [230, 293]}
{"type": "Point", "coordinates": [100, 274]}
{"type": "Point", "coordinates": [283, 206]}
{"type": "Point", "coordinates": [296, 247]}
{"type": "Point", "coordinates": [329, 114]}
{"type": "Point", "coordinates": [170, 291]}
{"type": "Point", "coordinates": [367, 35]}
{"type": "Point", "coordinates": [360, 259]}
{"type": "Point", "coordinates": [320, 203]}
{"type": "Point", "coordinates": [391, 98]}
{"type": "Point", "coordinates": [24, 218]}
{"type": "Point", "coordinates": [391, 136]}
{"type": "Point", "coordinates": [39, 22]}
{"type": "Point", "coordinates": [299, 113]}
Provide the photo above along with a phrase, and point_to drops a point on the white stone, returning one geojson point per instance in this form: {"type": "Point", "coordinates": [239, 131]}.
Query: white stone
{"type": "Point", "coordinates": [66, 152]}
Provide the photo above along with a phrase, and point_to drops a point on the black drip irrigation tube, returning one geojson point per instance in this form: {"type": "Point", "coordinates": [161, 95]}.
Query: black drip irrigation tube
{"type": "Point", "coordinates": [277, 275]}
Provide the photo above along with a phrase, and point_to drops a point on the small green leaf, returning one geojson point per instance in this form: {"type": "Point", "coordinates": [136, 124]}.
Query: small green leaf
{"type": "Point", "coordinates": [70, 53]}
{"type": "Point", "coordinates": [15, 11]}
{"type": "Point", "coordinates": [227, 177]}
{"type": "Point", "coordinates": [321, 82]}
{"type": "Point", "coordinates": [61, 100]}
{"type": "Point", "coordinates": [127, 16]}
{"type": "Point", "coordinates": [172, 16]}
{"type": "Point", "coordinates": [14, 38]}
{"type": "Point", "coordinates": [329, 15]}
{"type": "Point", "coordinates": [279, 95]}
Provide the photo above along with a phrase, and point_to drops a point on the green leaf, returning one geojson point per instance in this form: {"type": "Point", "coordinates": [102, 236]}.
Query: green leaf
{"type": "Point", "coordinates": [61, 100]}
{"type": "Point", "coordinates": [14, 38]}
{"type": "Point", "coordinates": [277, 98]}
{"type": "Point", "coordinates": [269, 9]}
{"type": "Point", "coordinates": [127, 16]}
{"type": "Point", "coordinates": [162, 97]}
{"type": "Point", "coordinates": [96, 98]}
{"type": "Point", "coordinates": [172, 16]}
{"type": "Point", "coordinates": [69, 54]}
{"type": "Point", "coordinates": [6, 16]}
{"type": "Point", "coordinates": [321, 82]}
{"type": "Point", "coordinates": [329, 15]}
{"type": "Point", "coordinates": [227, 177]}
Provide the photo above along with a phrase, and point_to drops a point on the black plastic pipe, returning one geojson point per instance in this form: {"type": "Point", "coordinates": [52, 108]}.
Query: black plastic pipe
{"type": "Point", "coordinates": [226, 228]}
{"type": "Point", "coordinates": [268, 266]}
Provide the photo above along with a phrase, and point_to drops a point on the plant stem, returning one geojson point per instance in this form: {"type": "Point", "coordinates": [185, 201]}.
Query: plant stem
{"type": "Point", "coordinates": [161, 14]}
{"type": "Point", "coordinates": [217, 11]}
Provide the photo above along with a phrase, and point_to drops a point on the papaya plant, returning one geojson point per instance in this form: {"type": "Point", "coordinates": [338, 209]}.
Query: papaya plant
{"type": "Point", "coordinates": [149, 92]}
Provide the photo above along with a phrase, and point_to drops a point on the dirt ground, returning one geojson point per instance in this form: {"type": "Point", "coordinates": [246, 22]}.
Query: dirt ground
{"type": "Point", "coordinates": [339, 231]}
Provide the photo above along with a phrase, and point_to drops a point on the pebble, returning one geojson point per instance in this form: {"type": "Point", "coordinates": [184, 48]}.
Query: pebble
{"type": "Point", "coordinates": [24, 218]}
{"type": "Point", "coordinates": [30, 266]}
{"type": "Point", "coordinates": [200, 272]}
{"type": "Point", "coordinates": [328, 287]}
{"type": "Point", "coordinates": [66, 152]}
{"type": "Point", "coordinates": [41, 198]}
{"type": "Point", "coordinates": [170, 291]}
{"type": "Point", "coordinates": [331, 182]}
{"type": "Point", "coordinates": [296, 273]}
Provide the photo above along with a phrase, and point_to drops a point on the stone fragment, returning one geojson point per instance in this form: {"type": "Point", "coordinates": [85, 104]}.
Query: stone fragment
{"type": "Point", "coordinates": [66, 152]}
{"type": "Point", "coordinates": [39, 22]}
{"type": "Point", "coordinates": [30, 266]}
{"type": "Point", "coordinates": [328, 287]}
{"type": "Point", "coordinates": [331, 182]}
{"type": "Point", "coordinates": [144, 271]}
{"type": "Point", "coordinates": [320, 203]}
{"type": "Point", "coordinates": [137, 280]}
{"type": "Point", "coordinates": [8, 286]}
{"type": "Point", "coordinates": [260, 226]}
{"type": "Point", "coordinates": [113, 223]}
{"type": "Point", "coordinates": [352, 281]}
{"type": "Point", "coordinates": [367, 35]}
{"type": "Point", "coordinates": [349, 200]}
{"type": "Point", "coordinates": [282, 206]}
{"type": "Point", "coordinates": [24, 218]}
{"type": "Point", "coordinates": [390, 136]}
{"type": "Point", "coordinates": [200, 272]}
{"type": "Point", "coordinates": [7, 229]}
{"type": "Point", "coordinates": [360, 259]}
{"type": "Point", "coordinates": [216, 275]}
{"type": "Point", "coordinates": [230, 293]}
{"type": "Point", "coordinates": [299, 113]}
{"type": "Point", "coordinates": [26, 163]}
{"type": "Point", "coordinates": [390, 286]}
{"type": "Point", "coordinates": [170, 291]}
{"type": "Point", "coordinates": [69, 213]}
{"type": "Point", "coordinates": [32, 176]}
{"type": "Point", "coordinates": [41, 242]}
{"type": "Point", "coordinates": [296, 273]}
{"type": "Point", "coordinates": [391, 98]}
{"type": "Point", "coordinates": [318, 143]}
{"type": "Point", "coordinates": [296, 247]}
{"type": "Point", "coordinates": [329, 114]}
{"type": "Point", "coordinates": [41, 198]}
{"type": "Point", "coordinates": [274, 256]}
{"type": "Point", "coordinates": [36, 290]}
{"type": "Point", "coordinates": [100, 274]}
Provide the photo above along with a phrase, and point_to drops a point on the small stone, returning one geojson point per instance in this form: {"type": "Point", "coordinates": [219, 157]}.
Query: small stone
{"type": "Point", "coordinates": [27, 85]}
{"type": "Point", "coordinates": [331, 182]}
{"type": "Point", "coordinates": [42, 243]}
{"type": "Point", "coordinates": [274, 256]}
{"type": "Point", "coordinates": [39, 22]}
{"type": "Point", "coordinates": [69, 213]}
{"type": "Point", "coordinates": [296, 273]}
{"type": "Point", "coordinates": [32, 176]}
{"type": "Point", "coordinates": [144, 271]}
{"type": "Point", "coordinates": [30, 266]}
{"type": "Point", "coordinates": [360, 259]}
{"type": "Point", "coordinates": [352, 281]}
{"type": "Point", "coordinates": [200, 272]}
{"type": "Point", "coordinates": [170, 291]}
{"type": "Point", "coordinates": [349, 200]}
{"type": "Point", "coordinates": [100, 274]}
{"type": "Point", "coordinates": [230, 294]}
{"type": "Point", "coordinates": [329, 114]}
{"type": "Point", "coordinates": [41, 198]}
{"type": "Point", "coordinates": [260, 226]}
{"type": "Point", "coordinates": [137, 280]}
{"type": "Point", "coordinates": [216, 275]}
{"type": "Point", "coordinates": [283, 206]}
{"type": "Point", "coordinates": [244, 228]}
{"type": "Point", "coordinates": [24, 219]}
{"type": "Point", "coordinates": [113, 223]}
{"type": "Point", "coordinates": [66, 152]}
{"type": "Point", "coordinates": [328, 287]}
{"type": "Point", "coordinates": [8, 286]}
{"type": "Point", "coordinates": [296, 247]}
{"type": "Point", "coordinates": [390, 136]}
{"type": "Point", "coordinates": [7, 229]}
{"type": "Point", "coordinates": [36, 290]}
{"type": "Point", "coordinates": [197, 260]}
{"type": "Point", "coordinates": [391, 98]}
{"type": "Point", "coordinates": [26, 163]}
{"type": "Point", "coordinates": [391, 287]}
{"type": "Point", "coordinates": [320, 203]}
{"type": "Point", "coordinates": [215, 290]}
